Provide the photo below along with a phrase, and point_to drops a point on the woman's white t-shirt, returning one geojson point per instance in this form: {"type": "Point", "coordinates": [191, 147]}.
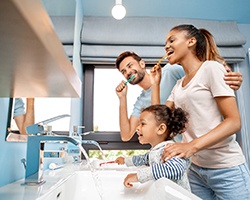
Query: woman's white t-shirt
{"type": "Point", "coordinates": [198, 99]}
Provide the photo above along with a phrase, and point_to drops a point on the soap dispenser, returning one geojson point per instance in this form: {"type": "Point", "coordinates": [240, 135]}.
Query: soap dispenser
{"type": "Point", "coordinates": [73, 150]}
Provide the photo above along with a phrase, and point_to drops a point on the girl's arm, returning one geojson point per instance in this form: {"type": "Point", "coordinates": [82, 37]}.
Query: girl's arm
{"type": "Point", "coordinates": [172, 169]}
{"type": "Point", "coordinates": [138, 160]}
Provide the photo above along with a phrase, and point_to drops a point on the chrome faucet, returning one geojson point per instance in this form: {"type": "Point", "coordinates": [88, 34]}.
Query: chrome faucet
{"type": "Point", "coordinates": [32, 174]}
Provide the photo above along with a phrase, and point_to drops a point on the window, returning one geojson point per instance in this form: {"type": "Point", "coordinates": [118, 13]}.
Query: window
{"type": "Point", "coordinates": [106, 102]}
{"type": "Point", "coordinates": [101, 110]}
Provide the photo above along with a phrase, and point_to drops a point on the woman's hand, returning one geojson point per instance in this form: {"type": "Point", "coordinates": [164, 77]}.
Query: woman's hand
{"type": "Point", "coordinates": [130, 178]}
{"type": "Point", "coordinates": [155, 75]}
{"type": "Point", "coordinates": [182, 150]}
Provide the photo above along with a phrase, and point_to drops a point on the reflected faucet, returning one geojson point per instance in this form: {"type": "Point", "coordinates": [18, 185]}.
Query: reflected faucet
{"type": "Point", "coordinates": [32, 176]}
{"type": "Point", "coordinates": [39, 127]}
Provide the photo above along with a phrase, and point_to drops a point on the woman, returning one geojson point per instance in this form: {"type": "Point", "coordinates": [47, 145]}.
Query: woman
{"type": "Point", "coordinates": [218, 169]}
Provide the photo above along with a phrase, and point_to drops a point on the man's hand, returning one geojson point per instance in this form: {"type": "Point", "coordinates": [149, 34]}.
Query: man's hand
{"type": "Point", "coordinates": [233, 79]}
{"type": "Point", "coordinates": [121, 89]}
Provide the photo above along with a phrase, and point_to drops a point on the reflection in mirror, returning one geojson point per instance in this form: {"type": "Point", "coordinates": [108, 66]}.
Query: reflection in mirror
{"type": "Point", "coordinates": [29, 111]}
{"type": "Point", "coordinates": [23, 114]}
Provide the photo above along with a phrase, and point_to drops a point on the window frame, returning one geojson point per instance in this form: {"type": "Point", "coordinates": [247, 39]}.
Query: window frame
{"type": "Point", "coordinates": [108, 140]}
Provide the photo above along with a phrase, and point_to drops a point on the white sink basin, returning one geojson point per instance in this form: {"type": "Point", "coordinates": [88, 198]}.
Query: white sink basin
{"type": "Point", "coordinates": [108, 184]}
{"type": "Point", "coordinates": [73, 182]}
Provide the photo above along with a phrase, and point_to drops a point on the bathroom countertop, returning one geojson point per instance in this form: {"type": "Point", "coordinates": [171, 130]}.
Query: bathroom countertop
{"type": "Point", "coordinates": [18, 191]}
{"type": "Point", "coordinates": [76, 181]}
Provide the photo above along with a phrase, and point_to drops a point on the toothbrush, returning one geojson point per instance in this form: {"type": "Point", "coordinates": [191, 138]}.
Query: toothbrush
{"type": "Point", "coordinates": [130, 79]}
{"type": "Point", "coordinates": [163, 57]}
{"type": "Point", "coordinates": [104, 163]}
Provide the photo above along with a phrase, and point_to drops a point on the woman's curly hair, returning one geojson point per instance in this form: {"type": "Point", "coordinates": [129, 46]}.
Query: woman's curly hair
{"type": "Point", "coordinates": [176, 119]}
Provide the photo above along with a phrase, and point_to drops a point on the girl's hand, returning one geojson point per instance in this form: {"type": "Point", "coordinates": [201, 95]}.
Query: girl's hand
{"type": "Point", "coordinates": [120, 160]}
{"type": "Point", "coordinates": [182, 150]}
{"type": "Point", "coordinates": [130, 178]}
{"type": "Point", "coordinates": [155, 75]}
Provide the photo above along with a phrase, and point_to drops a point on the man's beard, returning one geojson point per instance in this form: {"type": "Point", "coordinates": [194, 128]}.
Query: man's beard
{"type": "Point", "coordinates": [139, 78]}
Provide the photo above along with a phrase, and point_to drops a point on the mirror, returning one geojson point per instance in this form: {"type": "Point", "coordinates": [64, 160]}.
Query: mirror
{"type": "Point", "coordinates": [43, 109]}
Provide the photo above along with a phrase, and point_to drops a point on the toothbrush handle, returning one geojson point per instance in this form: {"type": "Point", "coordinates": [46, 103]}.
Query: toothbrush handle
{"type": "Point", "coordinates": [163, 57]}
{"type": "Point", "coordinates": [109, 162]}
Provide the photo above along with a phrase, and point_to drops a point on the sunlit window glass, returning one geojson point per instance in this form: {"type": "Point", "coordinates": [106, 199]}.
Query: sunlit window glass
{"type": "Point", "coordinates": [106, 102]}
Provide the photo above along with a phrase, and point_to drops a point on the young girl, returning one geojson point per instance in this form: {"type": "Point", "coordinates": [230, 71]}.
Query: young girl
{"type": "Point", "coordinates": [218, 169]}
{"type": "Point", "coordinates": [158, 125]}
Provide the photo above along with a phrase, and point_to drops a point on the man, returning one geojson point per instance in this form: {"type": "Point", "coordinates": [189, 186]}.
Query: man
{"type": "Point", "coordinates": [23, 118]}
{"type": "Point", "coordinates": [129, 63]}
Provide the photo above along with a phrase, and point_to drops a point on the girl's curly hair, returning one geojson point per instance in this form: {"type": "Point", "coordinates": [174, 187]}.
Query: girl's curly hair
{"type": "Point", "coordinates": [175, 119]}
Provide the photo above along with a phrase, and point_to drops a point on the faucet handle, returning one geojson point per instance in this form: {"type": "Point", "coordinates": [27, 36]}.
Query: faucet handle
{"type": "Point", "coordinates": [54, 119]}
{"type": "Point", "coordinates": [75, 128]}
{"type": "Point", "coordinates": [39, 127]}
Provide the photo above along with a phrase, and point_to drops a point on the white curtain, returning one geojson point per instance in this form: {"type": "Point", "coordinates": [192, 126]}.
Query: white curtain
{"type": "Point", "coordinates": [243, 137]}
